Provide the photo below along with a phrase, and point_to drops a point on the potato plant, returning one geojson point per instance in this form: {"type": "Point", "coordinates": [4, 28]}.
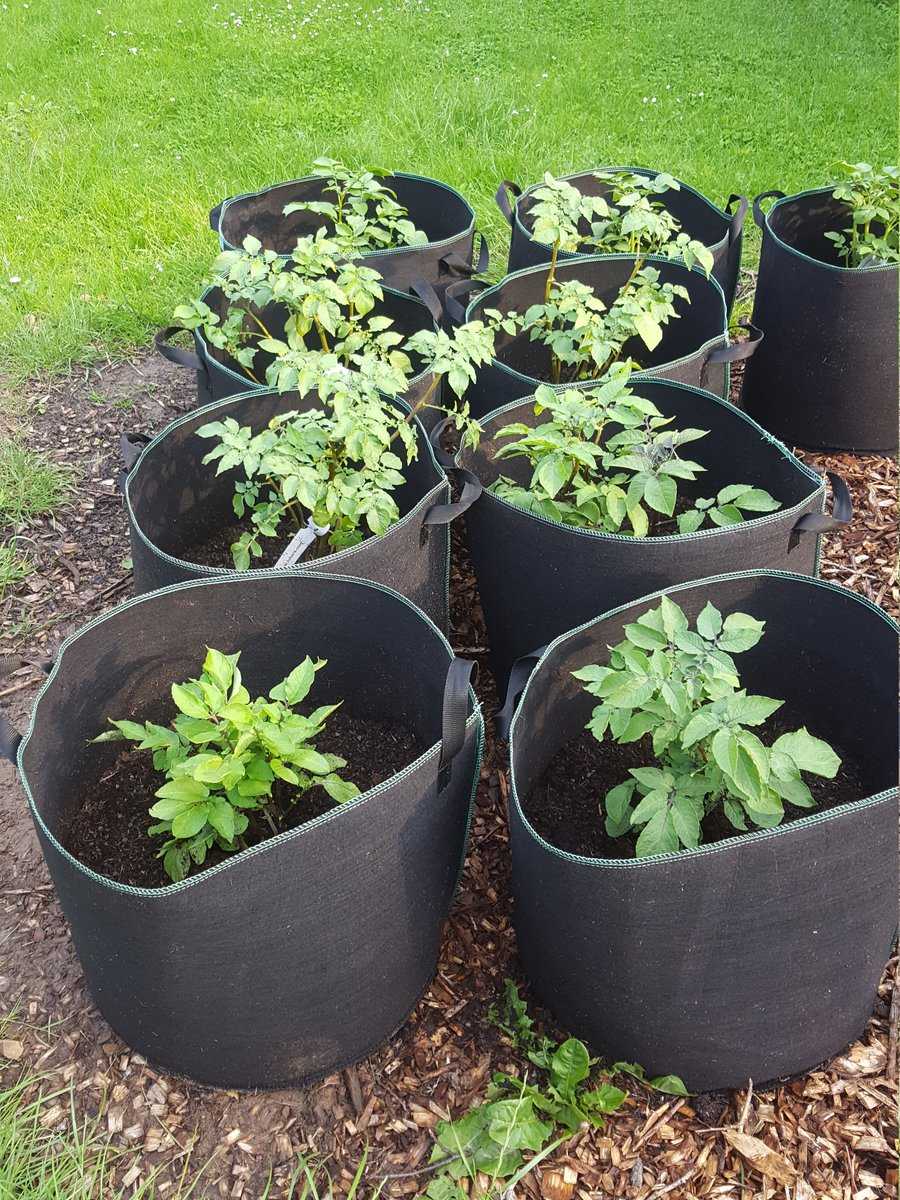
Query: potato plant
{"type": "Point", "coordinates": [335, 466]}
{"type": "Point", "coordinates": [584, 336]}
{"type": "Point", "coordinates": [680, 687]}
{"type": "Point", "coordinates": [873, 197]}
{"type": "Point", "coordinates": [608, 460]}
{"type": "Point", "coordinates": [364, 214]}
{"type": "Point", "coordinates": [224, 753]}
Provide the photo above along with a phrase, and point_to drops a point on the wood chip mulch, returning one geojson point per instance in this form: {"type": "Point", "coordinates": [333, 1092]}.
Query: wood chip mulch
{"type": "Point", "coordinates": [828, 1134]}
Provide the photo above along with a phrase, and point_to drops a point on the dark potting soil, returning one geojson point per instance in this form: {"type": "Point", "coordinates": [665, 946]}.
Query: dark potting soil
{"type": "Point", "coordinates": [214, 549]}
{"type": "Point", "coordinates": [108, 829]}
{"type": "Point", "coordinates": [564, 805]}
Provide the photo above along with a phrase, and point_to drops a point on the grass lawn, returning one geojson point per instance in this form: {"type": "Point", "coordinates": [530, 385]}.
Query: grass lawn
{"type": "Point", "coordinates": [120, 125]}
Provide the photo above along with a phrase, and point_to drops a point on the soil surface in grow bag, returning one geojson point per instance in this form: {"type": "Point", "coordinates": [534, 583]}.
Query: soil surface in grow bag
{"type": "Point", "coordinates": [215, 551]}
{"type": "Point", "coordinates": [565, 805]}
{"type": "Point", "coordinates": [108, 829]}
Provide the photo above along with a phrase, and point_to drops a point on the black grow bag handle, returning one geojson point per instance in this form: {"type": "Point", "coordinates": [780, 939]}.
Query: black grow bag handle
{"type": "Point", "coordinates": [131, 447]}
{"type": "Point", "coordinates": [444, 457]}
{"type": "Point", "coordinates": [502, 198]}
{"type": "Point", "coordinates": [10, 738]}
{"type": "Point", "coordinates": [758, 215]}
{"type": "Point", "coordinates": [454, 715]}
{"type": "Point", "coordinates": [734, 351]}
{"type": "Point", "coordinates": [215, 214]}
{"type": "Point", "coordinates": [841, 511]}
{"type": "Point", "coordinates": [443, 514]}
{"type": "Point", "coordinates": [454, 263]}
{"type": "Point", "coordinates": [737, 219]}
{"type": "Point", "coordinates": [456, 314]}
{"type": "Point", "coordinates": [518, 677]}
{"type": "Point", "coordinates": [422, 290]}
{"type": "Point", "coordinates": [176, 354]}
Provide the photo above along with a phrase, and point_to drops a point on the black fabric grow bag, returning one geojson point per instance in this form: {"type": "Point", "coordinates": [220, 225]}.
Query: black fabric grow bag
{"type": "Point", "coordinates": [218, 375]}
{"type": "Point", "coordinates": [694, 348]}
{"type": "Point", "coordinates": [719, 229]}
{"type": "Point", "coordinates": [172, 501]}
{"type": "Point", "coordinates": [301, 955]}
{"type": "Point", "coordinates": [756, 957]}
{"type": "Point", "coordinates": [436, 208]}
{"type": "Point", "coordinates": [538, 578]}
{"type": "Point", "coordinates": [826, 377]}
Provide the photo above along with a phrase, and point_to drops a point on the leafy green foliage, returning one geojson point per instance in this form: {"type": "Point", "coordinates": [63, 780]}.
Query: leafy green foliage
{"type": "Point", "coordinates": [625, 220]}
{"type": "Point", "coordinates": [519, 1116]}
{"type": "Point", "coordinates": [364, 214]}
{"type": "Point", "coordinates": [223, 755]}
{"type": "Point", "coordinates": [873, 236]}
{"type": "Point", "coordinates": [586, 475]}
{"type": "Point", "coordinates": [680, 687]}
{"type": "Point", "coordinates": [337, 464]}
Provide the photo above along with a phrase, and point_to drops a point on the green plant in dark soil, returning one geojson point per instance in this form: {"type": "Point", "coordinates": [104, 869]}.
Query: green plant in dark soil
{"type": "Point", "coordinates": [584, 336]}
{"type": "Point", "coordinates": [873, 197]}
{"type": "Point", "coordinates": [680, 687]}
{"type": "Point", "coordinates": [364, 214]}
{"type": "Point", "coordinates": [223, 755]}
{"type": "Point", "coordinates": [586, 475]}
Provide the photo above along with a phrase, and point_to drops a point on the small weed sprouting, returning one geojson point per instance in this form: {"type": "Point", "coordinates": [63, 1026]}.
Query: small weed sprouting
{"type": "Point", "coordinates": [222, 756]}
{"type": "Point", "coordinates": [625, 482]}
{"type": "Point", "coordinates": [681, 688]}
{"type": "Point", "coordinates": [873, 237]}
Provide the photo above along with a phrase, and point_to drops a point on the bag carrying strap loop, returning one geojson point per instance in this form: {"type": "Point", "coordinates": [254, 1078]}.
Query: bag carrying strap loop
{"type": "Point", "coordinates": [758, 215]}
{"type": "Point", "coordinates": [214, 214]}
{"type": "Point", "coordinates": [518, 677]}
{"type": "Point", "coordinates": [841, 510]}
{"type": "Point", "coordinates": [502, 198]}
{"type": "Point", "coordinates": [443, 514]}
{"type": "Point", "coordinates": [131, 447]}
{"type": "Point", "coordinates": [456, 313]}
{"type": "Point", "coordinates": [737, 218]}
{"type": "Point", "coordinates": [10, 738]}
{"type": "Point", "coordinates": [454, 263]}
{"type": "Point", "coordinates": [175, 354]}
{"type": "Point", "coordinates": [422, 290]}
{"type": "Point", "coordinates": [736, 351]}
{"type": "Point", "coordinates": [454, 715]}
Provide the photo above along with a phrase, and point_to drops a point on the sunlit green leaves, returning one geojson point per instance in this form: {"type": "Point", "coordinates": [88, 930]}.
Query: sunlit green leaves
{"type": "Point", "coordinates": [679, 687]}
{"type": "Point", "coordinates": [223, 755]}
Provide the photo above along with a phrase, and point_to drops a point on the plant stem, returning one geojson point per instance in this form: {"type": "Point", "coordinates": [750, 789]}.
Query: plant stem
{"type": "Point", "coordinates": [322, 338]}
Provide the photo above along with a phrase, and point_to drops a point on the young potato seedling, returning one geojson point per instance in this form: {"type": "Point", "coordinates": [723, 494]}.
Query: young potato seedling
{"type": "Point", "coordinates": [680, 687]}
{"type": "Point", "coordinates": [873, 237]}
{"type": "Point", "coordinates": [224, 753]}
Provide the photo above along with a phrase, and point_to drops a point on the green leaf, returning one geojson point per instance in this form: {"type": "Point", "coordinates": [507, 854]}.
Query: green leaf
{"type": "Point", "coordinates": [602, 1099]}
{"type": "Point", "coordinates": [184, 789]}
{"type": "Point", "coordinates": [340, 790]}
{"type": "Point", "coordinates": [513, 1125]}
{"type": "Point", "coordinates": [673, 619]}
{"type": "Point", "coordinates": [649, 330]}
{"type": "Point", "coordinates": [740, 632]}
{"type": "Point", "coordinates": [809, 753]}
{"type": "Point", "coordinates": [709, 622]}
{"type": "Point", "coordinates": [618, 808]}
{"type": "Point", "coordinates": [295, 687]}
{"type": "Point", "coordinates": [642, 636]}
{"type": "Point", "coordinates": [686, 821]}
{"type": "Point", "coordinates": [752, 710]}
{"type": "Point", "coordinates": [190, 821]}
{"type": "Point", "coordinates": [658, 836]}
{"type": "Point", "coordinates": [187, 702]}
{"type": "Point", "coordinates": [311, 760]}
{"type": "Point", "coordinates": [166, 810]}
{"type": "Point", "coordinates": [661, 492]}
{"type": "Point", "coordinates": [569, 1066]}
{"type": "Point", "coordinates": [220, 667]}
{"type": "Point", "coordinates": [221, 816]}
{"type": "Point", "coordinates": [671, 1085]}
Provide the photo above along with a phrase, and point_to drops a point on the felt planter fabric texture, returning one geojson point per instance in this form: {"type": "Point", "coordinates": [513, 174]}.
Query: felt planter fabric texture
{"type": "Point", "coordinates": [538, 578]}
{"type": "Point", "coordinates": [826, 376]}
{"type": "Point", "coordinates": [694, 348]}
{"type": "Point", "coordinates": [298, 956]}
{"type": "Point", "coordinates": [219, 376]}
{"type": "Point", "coordinates": [720, 230]}
{"type": "Point", "coordinates": [174, 502]}
{"type": "Point", "coordinates": [434, 207]}
{"type": "Point", "coordinates": [756, 957]}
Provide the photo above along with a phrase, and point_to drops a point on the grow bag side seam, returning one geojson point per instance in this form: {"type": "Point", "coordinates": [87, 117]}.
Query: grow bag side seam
{"type": "Point", "coordinates": [630, 864]}
{"type": "Point", "coordinates": [726, 239]}
{"type": "Point", "coordinates": [764, 519]}
{"type": "Point", "coordinates": [219, 212]}
{"type": "Point", "coordinates": [818, 262]}
{"type": "Point", "coordinates": [427, 501]}
{"type": "Point", "coordinates": [475, 720]}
